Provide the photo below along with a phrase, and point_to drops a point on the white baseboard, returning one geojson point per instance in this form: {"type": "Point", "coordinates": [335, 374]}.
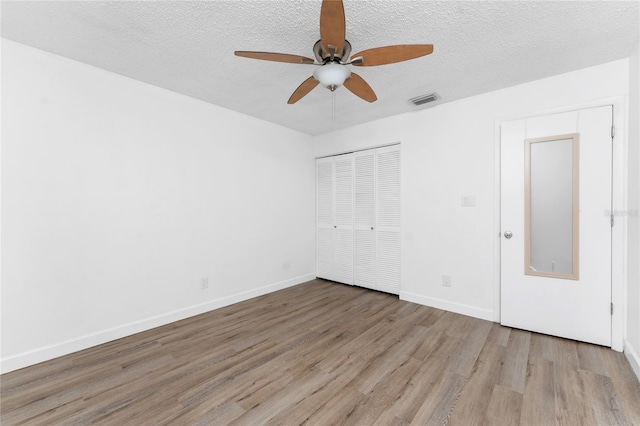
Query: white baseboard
{"type": "Point", "coordinates": [46, 353]}
{"type": "Point", "coordinates": [446, 305]}
{"type": "Point", "coordinates": [633, 357]}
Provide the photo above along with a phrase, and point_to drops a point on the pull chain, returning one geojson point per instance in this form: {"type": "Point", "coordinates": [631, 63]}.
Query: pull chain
{"type": "Point", "coordinates": [333, 110]}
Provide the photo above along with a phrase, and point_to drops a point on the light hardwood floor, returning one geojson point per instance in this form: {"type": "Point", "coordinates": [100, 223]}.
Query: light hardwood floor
{"type": "Point", "coordinates": [324, 353]}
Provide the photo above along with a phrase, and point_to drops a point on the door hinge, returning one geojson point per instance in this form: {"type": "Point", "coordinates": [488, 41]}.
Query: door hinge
{"type": "Point", "coordinates": [612, 309]}
{"type": "Point", "coordinates": [613, 132]}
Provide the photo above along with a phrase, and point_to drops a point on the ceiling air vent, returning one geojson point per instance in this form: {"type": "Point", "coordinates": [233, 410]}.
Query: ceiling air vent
{"type": "Point", "coordinates": [425, 99]}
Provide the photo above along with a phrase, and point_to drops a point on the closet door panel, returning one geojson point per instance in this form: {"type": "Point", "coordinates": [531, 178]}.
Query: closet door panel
{"type": "Point", "coordinates": [388, 219]}
{"type": "Point", "coordinates": [389, 187]}
{"type": "Point", "coordinates": [365, 188]}
{"type": "Point", "coordinates": [365, 258]}
{"type": "Point", "coordinates": [343, 256]}
{"type": "Point", "coordinates": [343, 212]}
{"type": "Point", "coordinates": [344, 190]}
{"type": "Point", "coordinates": [364, 222]}
{"type": "Point", "coordinates": [388, 265]}
{"type": "Point", "coordinates": [324, 253]}
{"type": "Point", "coordinates": [324, 218]}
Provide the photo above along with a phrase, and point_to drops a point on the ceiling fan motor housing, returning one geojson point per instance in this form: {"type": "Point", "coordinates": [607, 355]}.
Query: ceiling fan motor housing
{"type": "Point", "coordinates": [322, 56]}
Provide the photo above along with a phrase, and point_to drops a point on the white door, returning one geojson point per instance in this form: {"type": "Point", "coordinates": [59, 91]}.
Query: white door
{"type": "Point", "coordinates": [324, 218]}
{"type": "Point", "coordinates": [388, 219]}
{"type": "Point", "coordinates": [365, 219]}
{"type": "Point", "coordinates": [343, 216]}
{"type": "Point", "coordinates": [556, 224]}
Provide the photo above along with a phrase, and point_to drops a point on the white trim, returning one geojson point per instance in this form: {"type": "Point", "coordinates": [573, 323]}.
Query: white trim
{"type": "Point", "coordinates": [384, 145]}
{"type": "Point", "coordinates": [46, 353]}
{"type": "Point", "coordinates": [618, 247]}
{"type": "Point", "coordinates": [446, 305]}
{"type": "Point", "coordinates": [619, 230]}
{"type": "Point", "coordinates": [633, 357]}
{"type": "Point", "coordinates": [497, 235]}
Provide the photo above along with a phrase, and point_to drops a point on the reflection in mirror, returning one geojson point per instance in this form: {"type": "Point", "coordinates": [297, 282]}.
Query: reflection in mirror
{"type": "Point", "coordinates": [551, 210]}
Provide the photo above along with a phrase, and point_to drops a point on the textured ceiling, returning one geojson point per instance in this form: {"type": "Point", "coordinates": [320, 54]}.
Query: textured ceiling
{"type": "Point", "coordinates": [187, 47]}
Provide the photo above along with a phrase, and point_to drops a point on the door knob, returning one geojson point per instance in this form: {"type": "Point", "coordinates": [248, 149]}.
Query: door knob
{"type": "Point", "coordinates": [508, 234]}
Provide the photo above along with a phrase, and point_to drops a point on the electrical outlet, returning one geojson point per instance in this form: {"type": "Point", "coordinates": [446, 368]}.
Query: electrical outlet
{"type": "Point", "coordinates": [468, 201]}
{"type": "Point", "coordinates": [204, 283]}
{"type": "Point", "coordinates": [446, 280]}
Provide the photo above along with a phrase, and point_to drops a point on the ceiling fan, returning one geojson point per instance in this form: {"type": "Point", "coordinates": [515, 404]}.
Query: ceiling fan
{"type": "Point", "coordinates": [332, 54]}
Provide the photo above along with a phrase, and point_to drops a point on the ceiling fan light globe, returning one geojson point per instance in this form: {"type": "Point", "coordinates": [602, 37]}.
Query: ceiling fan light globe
{"type": "Point", "coordinates": [332, 75]}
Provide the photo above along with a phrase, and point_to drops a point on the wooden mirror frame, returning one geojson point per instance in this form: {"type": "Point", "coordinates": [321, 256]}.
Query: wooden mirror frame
{"type": "Point", "coordinates": [575, 138]}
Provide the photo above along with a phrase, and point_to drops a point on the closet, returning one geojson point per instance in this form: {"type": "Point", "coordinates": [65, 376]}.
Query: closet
{"type": "Point", "coordinates": [358, 218]}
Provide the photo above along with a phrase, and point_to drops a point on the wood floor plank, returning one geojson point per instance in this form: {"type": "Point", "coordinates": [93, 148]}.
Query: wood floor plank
{"type": "Point", "coordinates": [499, 335]}
{"type": "Point", "coordinates": [56, 416]}
{"type": "Point", "coordinates": [569, 386]}
{"type": "Point", "coordinates": [220, 416]}
{"type": "Point", "coordinates": [476, 394]}
{"type": "Point", "coordinates": [323, 353]}
{"type": "Point", "coordinates": [386, 390]}
{"type": "Point", "coordinates": [593, 358]}
{"type": "Point", "coordinates": [605, 407]}
{"type": "Point", "coordinates": [539, 402]}
{"type": "Point", "coordinates": [626, 385]}
{"type": "Point", "coordinates": [457, 325]}
{"type": "Point", "coordinates": [514, 369]}
{"type": "Point", "coordinates": [280, 399]}
{"type": "Point", "coordinates": [441, 400]}
{"type": "Point", "coordinates": [302, 409]}
{"type": "Point", "coordinates": [16, 381]}
{"type": "Point", "coordinates": [386, 362]}
{"type": "Point", "coordinates": [432, 317]}
{"type": "Point", "coordinates": [176, 378]}
{"type": "Point", "coordinates": [338, 409]}
{"type": "Point", "coordinates": [252, 384]}
{"type": "Point", "coordinates": [467, 354]}
{"type": "Point", "coordinates": [422, 383]}
{"type": "Point", "coordinates": [48, 395]}
{"type": "Point", "coordinates": [505, 407]}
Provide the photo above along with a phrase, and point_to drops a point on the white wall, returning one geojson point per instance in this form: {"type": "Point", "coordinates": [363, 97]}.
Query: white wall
{"type": "Point", "coordinates": [447, 152]}
{"type": "Point", "coordinates": [117, 197]}
{"type": "Point", "coordinates": [632, 344]}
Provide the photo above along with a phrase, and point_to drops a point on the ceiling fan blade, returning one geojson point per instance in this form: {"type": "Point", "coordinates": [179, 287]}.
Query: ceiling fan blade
{"type": "Point", "coordinates": [360, 88]}
{"type": "Point", "coordinates": [332, 26]}
{"type": "Point", "coordinates": [391, 54]}
{"type": "Point", "coordinates": [302, 90]}
{"type": "Point", "coordinates": [276, 57]}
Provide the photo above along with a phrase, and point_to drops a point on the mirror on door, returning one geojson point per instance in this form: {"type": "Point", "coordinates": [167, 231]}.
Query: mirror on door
{"type": "Point", "coordinates": [551, 206]}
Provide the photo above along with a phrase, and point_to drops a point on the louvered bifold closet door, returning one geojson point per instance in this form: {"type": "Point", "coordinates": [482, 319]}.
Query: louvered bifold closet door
{"type": "Point", "coordinates": [388, 219]}
{"type": "Point", "coordinates": [343, 216]}
{"type": "Point", "coordinates": [364, 221]}
{"type": "Point", "coordinates": [324, 218]}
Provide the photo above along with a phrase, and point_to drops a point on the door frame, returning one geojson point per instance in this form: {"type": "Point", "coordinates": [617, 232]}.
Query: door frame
{"type": "Point", "coordinates": [619, 203]}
